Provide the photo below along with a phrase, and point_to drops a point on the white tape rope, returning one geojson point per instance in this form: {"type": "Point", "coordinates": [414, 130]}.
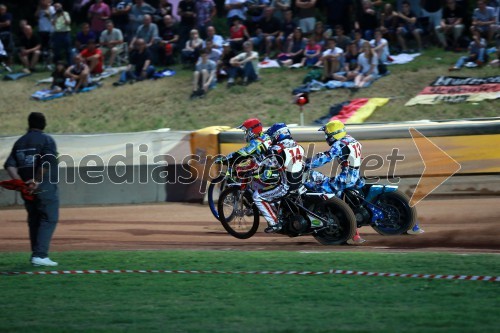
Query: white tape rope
{"type": "Point", "coordinates": [331, 272]}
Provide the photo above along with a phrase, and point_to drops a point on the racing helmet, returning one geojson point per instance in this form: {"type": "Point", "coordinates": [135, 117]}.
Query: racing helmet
{"type": "Point", "coordinates": [252, 128]}
{"type": "Point", "coordinates": [334, 130]}
{"type": "Point", "coordinates": [279, 132]}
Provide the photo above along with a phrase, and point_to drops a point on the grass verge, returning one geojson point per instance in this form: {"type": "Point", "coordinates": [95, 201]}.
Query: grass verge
{"type": "Point", "coordinates": [165, 103]}
{"type": "Point", "coordinates": [249, 303]}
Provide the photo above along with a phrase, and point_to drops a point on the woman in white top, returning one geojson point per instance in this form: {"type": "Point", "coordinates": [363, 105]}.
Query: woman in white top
{"type": "Point", "coordinates": [367, 66]}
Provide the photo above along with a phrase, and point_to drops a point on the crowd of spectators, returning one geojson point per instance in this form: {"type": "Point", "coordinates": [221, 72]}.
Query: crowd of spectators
{"type": "Point", "coordinates": [349, 39]}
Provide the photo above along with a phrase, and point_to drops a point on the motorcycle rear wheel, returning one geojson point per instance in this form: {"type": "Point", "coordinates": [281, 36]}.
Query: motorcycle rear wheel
{"type": "Point", "coordinates": [343, 222]}
{"type": "Point", "coordinates": [401, 217]}
{"type": "Point", "coordinates": [237, 213]}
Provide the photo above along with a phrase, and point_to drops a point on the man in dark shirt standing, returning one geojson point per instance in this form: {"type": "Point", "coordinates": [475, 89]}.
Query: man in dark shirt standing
{"type": "Point", "coordinates": [187, 12]}
{"type": "Point", "coordinates": [119, 14]}
{"type": "Point", "coordinates": [29, 52]}
{"type": "Point", "coordinates": [34, 160]}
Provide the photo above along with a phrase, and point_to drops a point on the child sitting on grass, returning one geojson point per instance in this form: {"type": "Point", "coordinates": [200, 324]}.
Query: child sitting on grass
{"type": "Point", "coordinates": [311, 53]}
{"type": "Point", "coordinates": [58, 78]}
{"type": "Point", "coordinates": [477, 53]}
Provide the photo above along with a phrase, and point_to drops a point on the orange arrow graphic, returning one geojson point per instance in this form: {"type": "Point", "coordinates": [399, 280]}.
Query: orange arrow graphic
{"type": "Point", "coordinates": [438, 166]}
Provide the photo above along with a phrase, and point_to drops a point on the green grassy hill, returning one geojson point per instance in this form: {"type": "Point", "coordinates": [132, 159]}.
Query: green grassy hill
{"type": "Point", "coordinates": [165, 103]}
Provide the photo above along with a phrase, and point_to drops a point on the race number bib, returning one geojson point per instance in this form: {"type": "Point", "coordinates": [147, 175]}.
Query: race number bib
{"type": "Point", "coordinates": [294, 159]}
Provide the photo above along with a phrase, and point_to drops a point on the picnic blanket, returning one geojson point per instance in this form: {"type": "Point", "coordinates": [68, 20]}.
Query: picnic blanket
{"type": "Point", "coordinates": [316, 85]}
{"type": "Point", "coordinates": [47, 94]}
{"type": "Point", "coordinates": [402, 58]}
{"type": "Point", "coordinates": [164, 73]}
{"type": "Point", "coordinates": [108, 72]}
{"type": "Point", "coordinates": [452, 89]}
{"type": "Point", "coordinates": [269, 63]}
{"type": "Point", "coordinates": [15, 76]}
{"type": "Point", "coordinates": [353, 111]}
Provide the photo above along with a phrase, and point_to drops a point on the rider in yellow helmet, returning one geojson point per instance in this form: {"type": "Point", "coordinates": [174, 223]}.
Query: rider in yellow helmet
{"type": "Point", "coordinates": [347, 151]}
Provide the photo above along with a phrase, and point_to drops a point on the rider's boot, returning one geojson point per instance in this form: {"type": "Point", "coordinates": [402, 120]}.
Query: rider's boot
{"type": "Point", "coordinates": [415, 230]}
{"type": "Point", "coordinates": [357, 239]}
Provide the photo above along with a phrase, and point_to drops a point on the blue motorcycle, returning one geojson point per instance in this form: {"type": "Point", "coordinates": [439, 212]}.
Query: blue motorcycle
{"type": "Point", "coordinates": [383, 207]}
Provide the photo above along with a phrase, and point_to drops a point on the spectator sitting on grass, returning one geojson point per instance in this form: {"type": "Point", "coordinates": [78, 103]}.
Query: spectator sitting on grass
{"type": "Point", "coordinates": [4, 58]}
{"type": "Point", "coordinates": [296, 46]}
{"type": "Point", "coordinates": [139, 67]}
{"type": "Point", "coordinates": [496, 62]}
{"type": "Point", "coordinates": [224, 64]}
{"type": "Point", "coordinates": [111, 41]}
{"type": "Point", "coordinates": [78, 75]}
{"type": "Point", "coordinates": [483, 19]}
{"type": "Point", "coordinates": [6, 31]}
{"type": "Point", "coordinates": [367, 66]}
{"type": "Point", "coordinates": [332, 59]}
{"type": "Point", "coordinates": [204, 75]}
{"type": "Point", "coordinates": [320, 35]}
{"type": "Point", "coordinates": [245, 64]}
{"type": "Point", "coordinates": [213, 53]}
{"type": "Point", "coordinates": [380, 46]}
{"type": "Point", "coordinates": [29, 52]}
{"type": "Point", "coordinates": [477, 53]}
{"type": "Point", "coordinates": [358, 40]}
{"type": "Point", "coordinates": [350, 64]}
{"type": "Point", "coordinates": [58, 78]}
{"type": "Point", "coordinates": [389, 22]}
{"type": "Point", "coordinates": [311, 53]}
{"type": "Point", "coordinates": [93, 56]}
{"type": "Point", "coordinates": [407, 26]}
{"type": "Point", "coordinates": [191, 51]}
{"type": "Point", "coordinates": [169, 40]}
{"type": "Point", "coordinates": [267, 32]}
{"type": "Point", "coordinates": [83, 37]}
{"type": "Point", "coordinates": [451, 25]}
{"type": "Point", "coordinates": [238, 34]}
{"type": "Point", "coordinates": [148, 32]}
{"type": "Point", "coordinates": [216, 40]}
{"type": "Point", "coordinates": [340, 38]}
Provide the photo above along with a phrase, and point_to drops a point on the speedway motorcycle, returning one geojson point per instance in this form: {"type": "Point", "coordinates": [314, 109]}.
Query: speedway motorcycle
{"type": "Point", "coordinates": [383, 207]}
{"type": "Point", "coordinates": [301, 212]}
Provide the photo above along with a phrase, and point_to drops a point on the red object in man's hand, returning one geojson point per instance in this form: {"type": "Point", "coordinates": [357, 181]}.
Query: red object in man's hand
{"type": "Point", "coordinates": [18, 185]}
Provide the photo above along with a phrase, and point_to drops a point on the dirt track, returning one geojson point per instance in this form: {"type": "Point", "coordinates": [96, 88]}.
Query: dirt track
{"type": "Point", "coordinates": [457, 225]}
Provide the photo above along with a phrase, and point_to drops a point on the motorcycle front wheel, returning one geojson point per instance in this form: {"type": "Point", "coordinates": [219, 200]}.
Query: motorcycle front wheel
{"type": "Point", "coordinates": [399, 217]}
{"type": "Point", "coordinates": [216, 187]}
{"type": "Point", "coordinates": [341, 222]}
{"type": "Point", "coordinates": [237, 213]}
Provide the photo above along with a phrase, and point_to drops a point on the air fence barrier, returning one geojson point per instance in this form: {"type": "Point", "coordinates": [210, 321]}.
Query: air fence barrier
{"type": "Point", "coordinates": [165, 165]}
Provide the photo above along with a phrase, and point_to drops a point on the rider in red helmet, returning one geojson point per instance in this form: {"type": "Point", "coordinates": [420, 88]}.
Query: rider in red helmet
{"type": "Point", "coordinates": [258, 142]}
